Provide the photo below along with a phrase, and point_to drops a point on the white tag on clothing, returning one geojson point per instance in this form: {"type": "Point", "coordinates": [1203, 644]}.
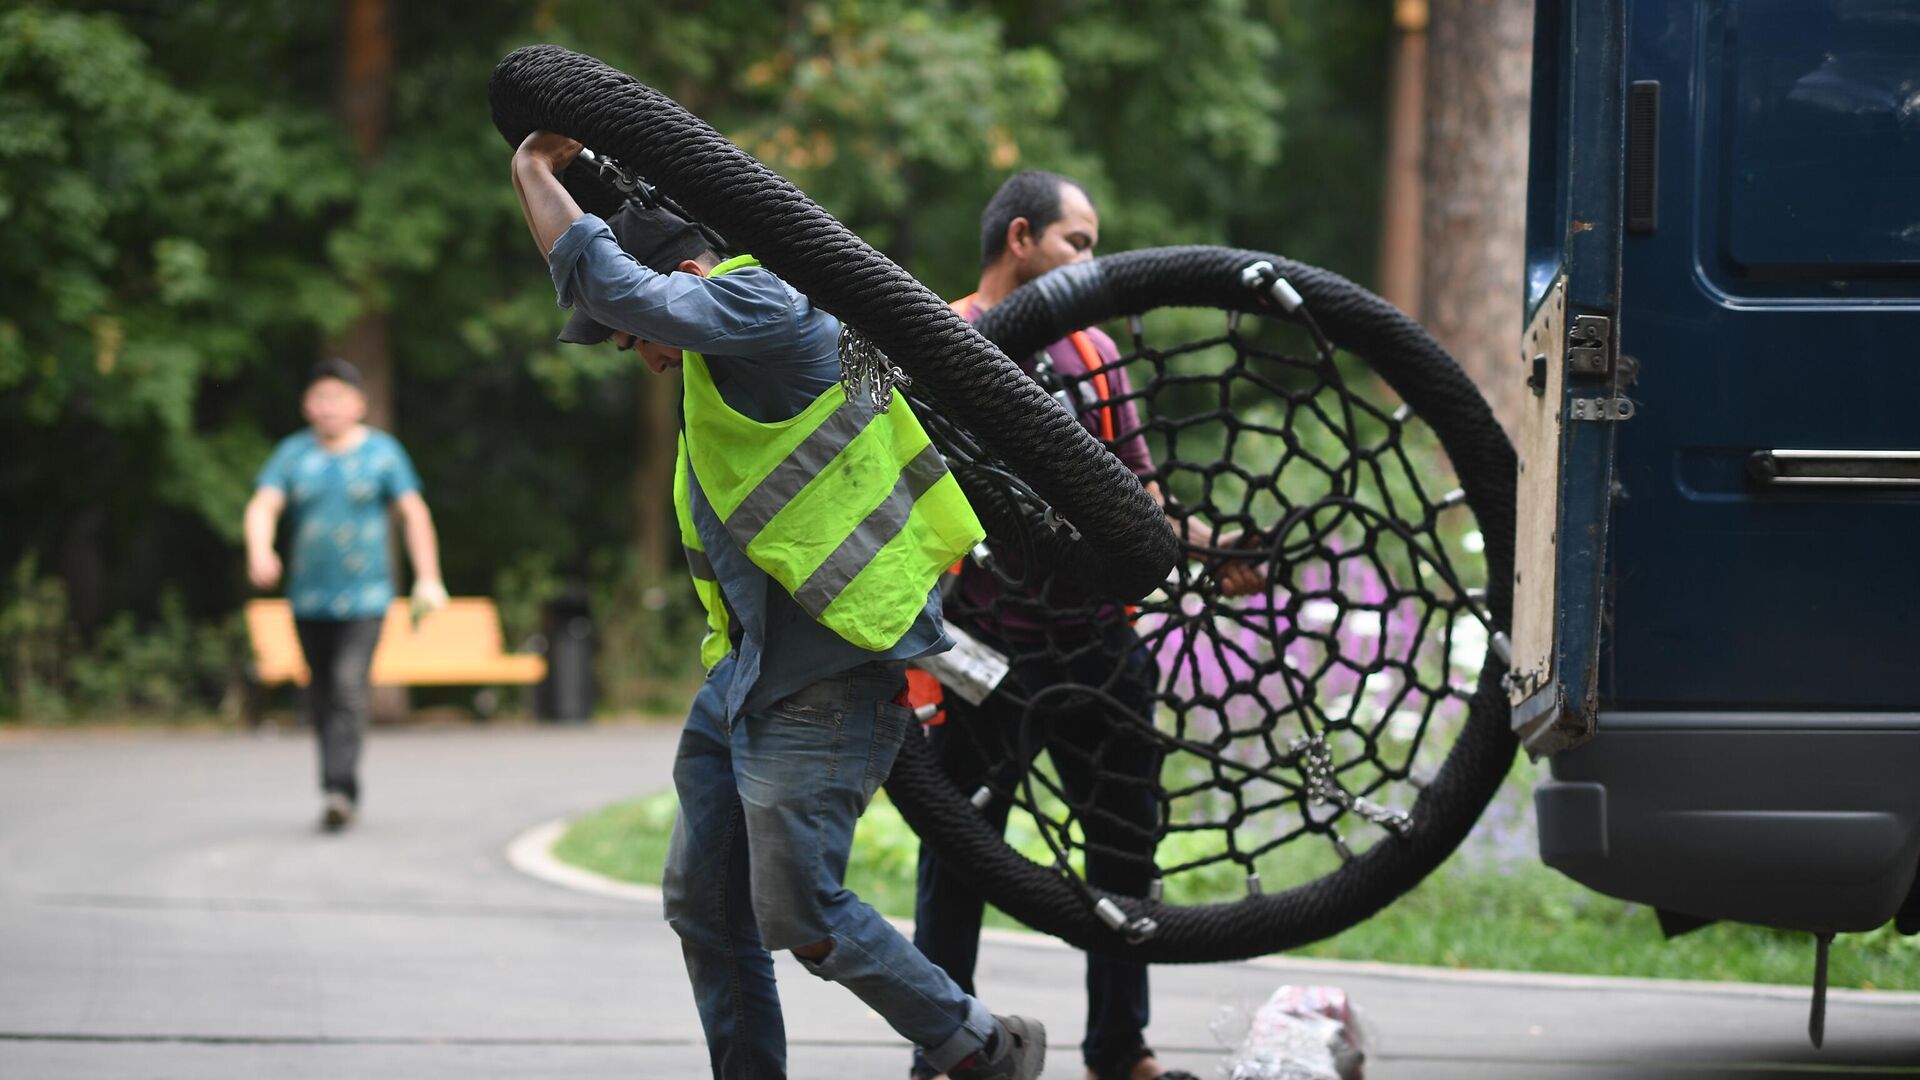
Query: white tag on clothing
{"type": "Point", "coordinates": [970, 669]}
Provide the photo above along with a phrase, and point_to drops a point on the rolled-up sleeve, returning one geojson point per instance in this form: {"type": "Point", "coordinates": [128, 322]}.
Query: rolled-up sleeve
{"type": "Point", "coordinates": [567, 251]}
{"type": "Point", "coordinates": [743, 313]}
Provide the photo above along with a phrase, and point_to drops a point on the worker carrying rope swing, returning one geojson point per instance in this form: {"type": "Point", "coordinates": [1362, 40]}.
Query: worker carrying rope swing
{"type": "Point", "coordinates": [817, 517]}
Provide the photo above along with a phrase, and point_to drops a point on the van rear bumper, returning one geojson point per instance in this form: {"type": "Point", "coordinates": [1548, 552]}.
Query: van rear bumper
{"type": "Point", "coordinates": [1801, 820]}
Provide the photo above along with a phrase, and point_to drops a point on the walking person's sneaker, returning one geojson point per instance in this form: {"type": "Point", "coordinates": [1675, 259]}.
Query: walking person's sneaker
{"type": "Point", "coordinates": [337, 812]}
{"type": "Point", "coordinates": [1017, 1051]}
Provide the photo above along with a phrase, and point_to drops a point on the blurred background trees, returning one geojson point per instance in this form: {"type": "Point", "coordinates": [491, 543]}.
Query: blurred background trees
{"type": "Point", "coordinates": [199, 199]}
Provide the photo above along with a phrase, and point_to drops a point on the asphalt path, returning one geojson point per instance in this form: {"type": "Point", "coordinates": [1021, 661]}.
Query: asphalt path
{"type": "Point", "coordinates": [167, 909]}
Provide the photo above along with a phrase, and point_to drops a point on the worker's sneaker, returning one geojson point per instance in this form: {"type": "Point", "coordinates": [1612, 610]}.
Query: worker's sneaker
{"type": "Point", "coordinates": [336, 812]}
{"type": "Point", "coordinates": [1019, 1051]}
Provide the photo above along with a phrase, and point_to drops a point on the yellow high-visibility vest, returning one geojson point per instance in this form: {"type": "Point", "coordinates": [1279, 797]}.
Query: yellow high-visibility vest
{"type": "Point", "coordinates": [715, 646]}
{"type": "Point", "coordinates": [852, 511]}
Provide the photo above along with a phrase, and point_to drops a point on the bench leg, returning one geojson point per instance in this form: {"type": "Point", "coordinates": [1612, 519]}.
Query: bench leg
{"type": "Point", "coordinates": [486, 702]}
{"type": "Point", "coordinates": [253, 706]}
{"type": "Point", "coordinates": [389, 705]}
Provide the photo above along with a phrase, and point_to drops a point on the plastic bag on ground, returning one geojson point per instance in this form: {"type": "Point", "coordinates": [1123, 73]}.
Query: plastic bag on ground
{"type": "Point", "coordinates": [1301, 1033]}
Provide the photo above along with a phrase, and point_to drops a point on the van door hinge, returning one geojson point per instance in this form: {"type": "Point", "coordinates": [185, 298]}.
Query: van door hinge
{"type": "Point", "coordinates": [1589, 345]}
{"type": "Point", "coordinates": [1600, 408]}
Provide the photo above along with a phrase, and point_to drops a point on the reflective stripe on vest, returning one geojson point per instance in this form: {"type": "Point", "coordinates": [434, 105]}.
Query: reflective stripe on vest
{"type": "Point", "coordinates": [853, 513]}
{"type": "Point", "coordinates": [872, 535]}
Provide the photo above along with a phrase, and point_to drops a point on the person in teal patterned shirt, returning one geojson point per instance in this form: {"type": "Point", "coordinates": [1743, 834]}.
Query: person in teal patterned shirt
{"type": "Point", "coordinates": [338, 479]}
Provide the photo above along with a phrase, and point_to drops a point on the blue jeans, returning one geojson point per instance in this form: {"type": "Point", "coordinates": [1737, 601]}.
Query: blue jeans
{"type": "Point", "coordinates": [758, 859]}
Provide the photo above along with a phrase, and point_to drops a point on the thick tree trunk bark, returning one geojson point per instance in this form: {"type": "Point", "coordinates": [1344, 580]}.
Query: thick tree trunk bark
{"type": "Point", "coordinates": [1479, 69]}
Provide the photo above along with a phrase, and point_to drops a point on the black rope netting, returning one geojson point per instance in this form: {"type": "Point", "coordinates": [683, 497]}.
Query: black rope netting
{"type": "Point", "coordinates": [1227, 776]}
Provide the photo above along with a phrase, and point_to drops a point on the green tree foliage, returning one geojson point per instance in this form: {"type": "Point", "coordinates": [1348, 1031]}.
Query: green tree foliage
{"type": "Point", "coordinates": [132, 216]}
{"type": "Point", "coordinates": [183, 221]}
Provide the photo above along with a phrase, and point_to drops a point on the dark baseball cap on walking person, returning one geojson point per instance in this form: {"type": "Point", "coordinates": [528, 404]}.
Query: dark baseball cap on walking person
{"type": "Point", "coordinates": [658, 239]}
{"type": "Point", "coordinates": [335, 368]}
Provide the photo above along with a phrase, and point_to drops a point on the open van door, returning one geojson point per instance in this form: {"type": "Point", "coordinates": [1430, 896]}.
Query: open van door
{"type": "Point", "coordinates": [1570, 356]}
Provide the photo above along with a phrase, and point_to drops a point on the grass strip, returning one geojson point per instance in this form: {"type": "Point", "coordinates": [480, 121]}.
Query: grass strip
{"type": "Point", "coordinates": [1519, 916]}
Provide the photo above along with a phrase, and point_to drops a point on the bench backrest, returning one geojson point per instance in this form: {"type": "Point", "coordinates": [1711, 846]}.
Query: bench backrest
{"type": "Point", "coordinates": [452, 640]}
{"type": "Point", "coordinates": [466, 629]}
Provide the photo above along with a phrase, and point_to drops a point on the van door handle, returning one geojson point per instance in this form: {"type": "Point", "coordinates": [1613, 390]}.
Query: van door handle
{"type": "Point", "coordinates": [1835, 468]}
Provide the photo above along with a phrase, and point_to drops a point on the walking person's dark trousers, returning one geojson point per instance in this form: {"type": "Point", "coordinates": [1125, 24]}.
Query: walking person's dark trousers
{"type": "Point", "coordinates": [340, 656]}
{"type": "Point", "coordinates": [1102, 767]}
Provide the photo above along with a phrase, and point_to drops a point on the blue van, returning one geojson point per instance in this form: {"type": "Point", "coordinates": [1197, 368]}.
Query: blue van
{"type": "Point", "coordinates": [1717, 615]}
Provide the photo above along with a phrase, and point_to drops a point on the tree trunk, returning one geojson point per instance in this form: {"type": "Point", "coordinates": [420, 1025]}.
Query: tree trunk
{"type": "Point", "coordinates": [365, 95]}
{"type": "Point", "coordinates": [901, 249]}
{"type": "Point", "coordinates": [364, 343]}
{"type": "Point", "coordinates": [1479, 73]}
{"type": "Point", "coordinates": [83, 566]}
{"type": "Point", "coordinates": [1401, 198]}
{"type": "Point", "coordinates": [657, 422]}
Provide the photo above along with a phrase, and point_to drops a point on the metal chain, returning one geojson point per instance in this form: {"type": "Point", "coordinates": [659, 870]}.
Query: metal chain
{"type": "Point", "coordinates": [1315, 759]}
{"type": "Point", "coordinates": [862, 364]}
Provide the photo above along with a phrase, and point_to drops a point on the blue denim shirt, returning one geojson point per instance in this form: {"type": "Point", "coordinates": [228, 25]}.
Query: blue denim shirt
{"type": "Point", "coordinates": [771, 353]}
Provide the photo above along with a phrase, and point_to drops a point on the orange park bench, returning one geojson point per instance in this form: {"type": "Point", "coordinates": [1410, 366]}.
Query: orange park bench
{"type": "Point", "coordinates": [459, 645]}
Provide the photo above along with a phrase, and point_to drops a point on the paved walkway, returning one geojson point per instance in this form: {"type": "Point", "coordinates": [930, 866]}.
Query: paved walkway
{"type": "Point", "coordinates": [166, 910]}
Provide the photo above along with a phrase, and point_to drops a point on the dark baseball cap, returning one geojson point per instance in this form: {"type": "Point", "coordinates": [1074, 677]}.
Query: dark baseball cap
{"type": "Point", "coordinates": [658, 239]}
{"type": "Point", "coordinates": [335, 368]}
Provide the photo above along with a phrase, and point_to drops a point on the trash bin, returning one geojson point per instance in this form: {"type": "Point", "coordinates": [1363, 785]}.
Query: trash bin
{"type": "Point", "coordinates": [566, 694]}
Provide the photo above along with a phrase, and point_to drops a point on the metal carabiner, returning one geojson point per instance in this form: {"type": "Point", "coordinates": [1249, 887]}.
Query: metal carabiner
{"type": "Point", "coordinates": [618, 175]}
